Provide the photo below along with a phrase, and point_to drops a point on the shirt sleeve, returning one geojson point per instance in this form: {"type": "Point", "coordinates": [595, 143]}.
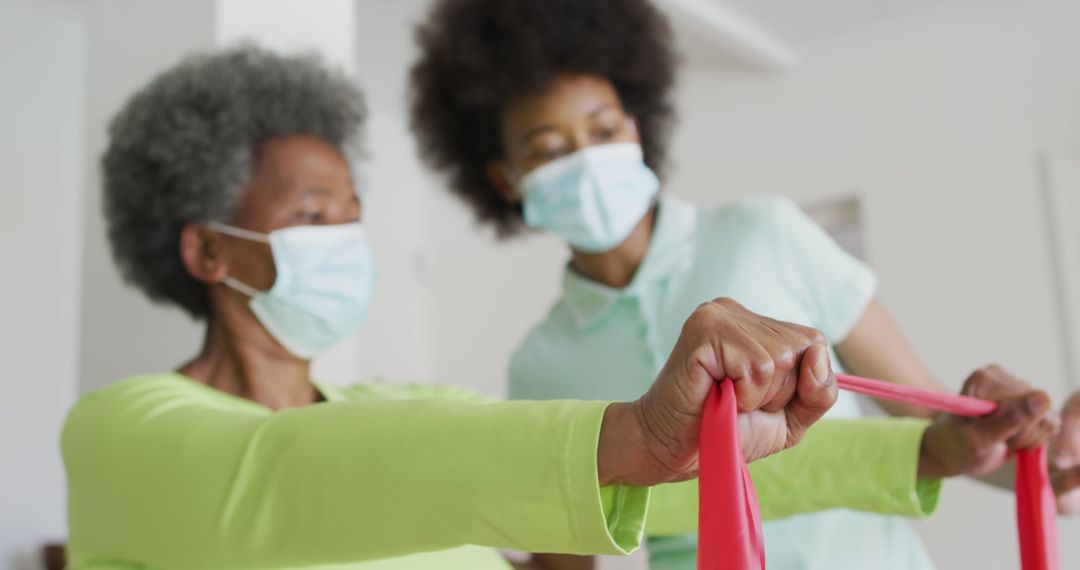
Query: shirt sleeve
{"type": "Point", "coordinates": [171, 477]}
{"type": "Point", "coordinates": [836, 286]}
{"type": "Point", "coordinates": [395, 391]}
{"type": "Point", "coordinates": [864, 465]}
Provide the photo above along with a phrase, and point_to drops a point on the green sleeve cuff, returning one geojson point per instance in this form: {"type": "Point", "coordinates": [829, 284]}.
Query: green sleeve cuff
{"type": "Point", "coordinates": [615, 521]}
{"type": "Point", "coordinates": [928, 491]}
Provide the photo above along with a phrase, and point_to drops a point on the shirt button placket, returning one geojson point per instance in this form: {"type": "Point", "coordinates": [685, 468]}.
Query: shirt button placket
{"type": "Point", "coordinates": [646, 333]}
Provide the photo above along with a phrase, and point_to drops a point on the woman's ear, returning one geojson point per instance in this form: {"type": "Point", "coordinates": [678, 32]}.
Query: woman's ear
{"type": "Point", "coordinates": [497, 176]}
{"type": "Point", "coordinates": [200, 252]}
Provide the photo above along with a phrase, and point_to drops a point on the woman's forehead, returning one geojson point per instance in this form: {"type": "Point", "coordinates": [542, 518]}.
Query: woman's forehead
{"type": "Point", "coordinates": [295, 159]}
{"type": "Point", "coordinates": [569, 95]}
{"type": "Point", "coordinates": [293, 169]}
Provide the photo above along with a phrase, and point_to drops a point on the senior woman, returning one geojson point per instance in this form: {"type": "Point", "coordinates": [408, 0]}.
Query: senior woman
{"type": "Point", "coordinates": [228, 194]}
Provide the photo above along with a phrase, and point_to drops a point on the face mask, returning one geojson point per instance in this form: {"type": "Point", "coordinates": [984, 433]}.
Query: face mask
{"type": "Point", "coordinates": [321, 295]}
{"type": "Point", "coordinates": [592, 198]}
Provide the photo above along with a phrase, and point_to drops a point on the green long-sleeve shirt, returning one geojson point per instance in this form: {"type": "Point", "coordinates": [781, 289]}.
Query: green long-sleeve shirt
{"type": "Point", "coordinates": [164, 472]}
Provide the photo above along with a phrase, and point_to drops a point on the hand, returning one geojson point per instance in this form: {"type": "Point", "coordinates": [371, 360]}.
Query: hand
{"type": "Point", "coordinates": [783, 384]}
{"type": "Point", "coordinates": [1064, 455]}
{"type": "Point", "coordinates": [956, 445]}
{"type": "Point", "coordinates": [772, 429]}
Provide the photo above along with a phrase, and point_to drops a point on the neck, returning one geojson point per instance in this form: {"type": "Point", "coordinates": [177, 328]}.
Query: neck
{"type": "Point", "coordinates": [239, 357]}
{"type": "Point", "coordinates": [616, 268]}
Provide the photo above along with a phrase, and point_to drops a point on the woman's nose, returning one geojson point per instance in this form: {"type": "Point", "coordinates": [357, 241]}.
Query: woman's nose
{"type": "Point", "coordinates": [579, 141]}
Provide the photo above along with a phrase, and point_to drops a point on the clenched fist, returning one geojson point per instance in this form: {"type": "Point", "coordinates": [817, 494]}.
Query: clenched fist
{"type": "Point", "coordinates": [783, 383]}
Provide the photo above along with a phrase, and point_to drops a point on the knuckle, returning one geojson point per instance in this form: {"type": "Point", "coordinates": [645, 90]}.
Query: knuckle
{"type": "Point", "coordinates": [746, 372]}
{"type": "Point", "coordinates": [978, 383]}
{"type": "Point", "coordinates": [816, 336]}
{"type": "Point", "coordinates": [969, 386]}
{"type": "Point", "coordinates": [727, 302]}
{"type": "Point", "coordinates": [702, 317]}
{"type": "Point", "coordinates": [785, 359]}
{"type": "Point", "coordinates": [1016, 414]}
{"type": "Point", "coordinates": [762, 369]}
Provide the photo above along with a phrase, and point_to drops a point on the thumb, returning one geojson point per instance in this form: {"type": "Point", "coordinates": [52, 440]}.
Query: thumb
{"type": "Point", "coordinates": [1014, 415]}
{"type": "Point", "coordinates": [1065, 446]}
{"type": "Point", "coordinates": [816, 391]}
{"type": "Point", "coordinates": [1065, 480]}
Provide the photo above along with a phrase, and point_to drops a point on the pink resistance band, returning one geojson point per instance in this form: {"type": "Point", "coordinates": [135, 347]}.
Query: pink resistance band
{"type": "Point", "coordinates": [729, 523]}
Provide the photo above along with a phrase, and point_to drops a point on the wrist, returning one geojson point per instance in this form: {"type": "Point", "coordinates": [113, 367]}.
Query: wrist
{"type": "Point", "coordinates": [931, 465]}
{"type": "Point", "coordinates": [620, 451]}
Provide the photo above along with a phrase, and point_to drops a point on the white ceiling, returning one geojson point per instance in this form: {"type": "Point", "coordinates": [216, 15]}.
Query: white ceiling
{"type": "Point", "coordinates": [771, 35]}
{"type": "Point", "coordinates": [799, 22]}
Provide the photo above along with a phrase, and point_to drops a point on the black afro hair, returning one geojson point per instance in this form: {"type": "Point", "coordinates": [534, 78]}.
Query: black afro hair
{"type": "Point", "coordinates": [477, 54]}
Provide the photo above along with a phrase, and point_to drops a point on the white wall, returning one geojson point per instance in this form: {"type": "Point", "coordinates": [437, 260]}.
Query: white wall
{"type": "Point", "coordinates": [395, 344]}
{"type": "Point", "coordinates": [129, 41]}
{"type": "Point", "coordinates": [41, 110]}
{"type": "Point", "coordinates": [325, 26]}
{"type": "Point", "coordinates": [938, 121]}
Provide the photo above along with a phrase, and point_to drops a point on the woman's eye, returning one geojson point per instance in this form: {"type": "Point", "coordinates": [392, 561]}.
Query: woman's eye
{"type": "Point", "coordinates": [312, 217]}
{"type": "Point", "coordinates": [547, 154]}
{"type": "Point", "coordinates": [605, 134]}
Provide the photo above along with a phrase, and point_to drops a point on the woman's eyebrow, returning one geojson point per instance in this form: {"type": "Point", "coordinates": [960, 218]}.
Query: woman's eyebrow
{"type": "Point", "coordinates": [312, 191]}
{"type": "Point", "coordinates": [536, 131]}
{"type": "Point", "coordinates": [601, 109]}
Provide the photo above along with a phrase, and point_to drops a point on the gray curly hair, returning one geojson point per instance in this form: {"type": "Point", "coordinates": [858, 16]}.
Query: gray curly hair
{"type": "Point", "coordinates": [182, 150]}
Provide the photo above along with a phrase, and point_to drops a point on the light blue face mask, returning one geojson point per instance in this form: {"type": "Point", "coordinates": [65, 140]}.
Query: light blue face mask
{"type": "Point", "coordinates": [592, 198]}
{"type": "Point", "coordinates": [325, 279]}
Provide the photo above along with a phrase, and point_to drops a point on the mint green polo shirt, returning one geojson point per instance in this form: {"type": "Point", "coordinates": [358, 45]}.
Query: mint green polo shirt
{"type": "Point", "coordinates": [604, 343]}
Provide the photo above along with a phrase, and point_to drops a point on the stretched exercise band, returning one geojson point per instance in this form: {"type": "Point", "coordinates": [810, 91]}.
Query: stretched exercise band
{"type": "Point", "coordinates": [729, 522]}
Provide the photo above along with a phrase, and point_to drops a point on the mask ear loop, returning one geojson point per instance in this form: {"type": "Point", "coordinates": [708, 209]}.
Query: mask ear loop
{"type": "Point", "coordinates": [241, 233]}
{"type": "Point", "coordinates": [229, 281]}
{"type": "Point", "coordinates": [240, 286]}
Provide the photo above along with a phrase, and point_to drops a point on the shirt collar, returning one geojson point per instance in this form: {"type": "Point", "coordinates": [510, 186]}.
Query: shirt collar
{"type": "Point", "coordinates": [671, 249]}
